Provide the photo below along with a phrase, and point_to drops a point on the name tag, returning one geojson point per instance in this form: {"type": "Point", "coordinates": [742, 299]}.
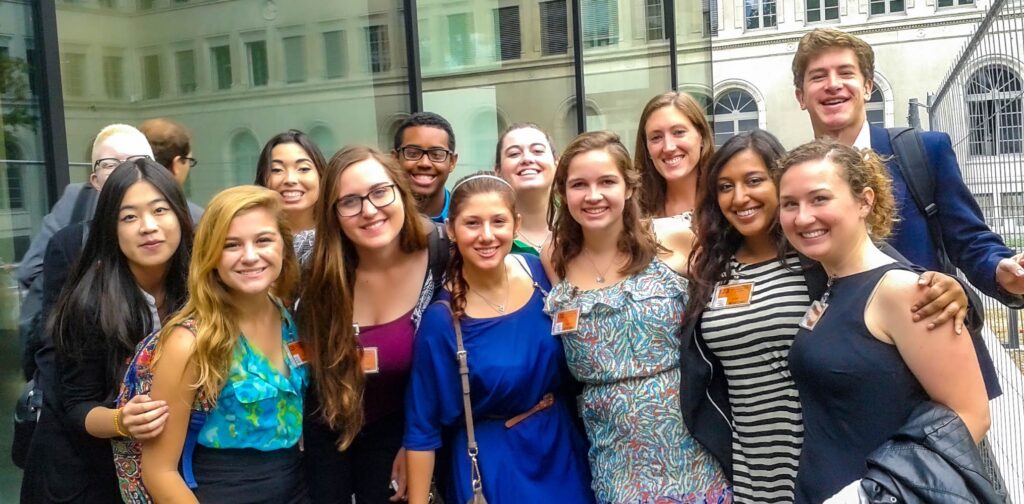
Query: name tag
{"type": "Point", "coordinates": [813, 315]}
{"type": "Point", "coordinates": [368, 360]}
{"type": "Point", "coordinates": [565, 321]}
{"type": "Point", "coordinates": [728, 296]}
{"type": "Point", "coordinates": [297, 354]}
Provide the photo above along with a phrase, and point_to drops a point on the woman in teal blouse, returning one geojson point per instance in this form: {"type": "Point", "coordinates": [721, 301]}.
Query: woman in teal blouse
{"type": "Point", "coordinates": [233, 352]}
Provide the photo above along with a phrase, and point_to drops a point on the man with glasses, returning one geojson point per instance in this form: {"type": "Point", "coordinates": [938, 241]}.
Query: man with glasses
{"type": "Point", "coordinates": [172, 148]}
{"type": "Point", "coordinates": [425, 147]}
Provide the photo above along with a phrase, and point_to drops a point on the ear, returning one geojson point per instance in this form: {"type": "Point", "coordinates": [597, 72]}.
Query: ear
{"type": "Point", "coordinates": [800, 98]}
{"type": "Point", "coordinates": [867, 201]}
{"type": "Point", "coordinates": [455, 160]}
{"type": "Point", "coordinates": [449, 228]}
{"type": "Point", "coordinates": [94, 181]}
{"type": "Point", "coordinates": [869, 87]}
{"type": "Point", "coordinates": [518, 224]}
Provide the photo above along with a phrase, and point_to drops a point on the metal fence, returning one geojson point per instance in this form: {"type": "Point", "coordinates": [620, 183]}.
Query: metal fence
{"type": "Point", "coordinates": [979, 104]}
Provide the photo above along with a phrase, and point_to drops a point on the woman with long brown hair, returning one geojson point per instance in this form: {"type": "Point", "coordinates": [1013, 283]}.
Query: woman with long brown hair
{"type": "Point", "coordinates": [373, 269]}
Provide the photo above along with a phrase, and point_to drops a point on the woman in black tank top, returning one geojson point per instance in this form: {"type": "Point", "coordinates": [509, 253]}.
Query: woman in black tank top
{"type": "Point", "coordinates": [860, 362]}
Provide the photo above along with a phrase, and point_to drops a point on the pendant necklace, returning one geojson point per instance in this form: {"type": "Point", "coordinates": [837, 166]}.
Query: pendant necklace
{"type": "Point", "coordinates": [600, 274]}
{"type": "Point", "coordinates": [522, 236]}
{"type": "Point", "coordinates": [500, 308]}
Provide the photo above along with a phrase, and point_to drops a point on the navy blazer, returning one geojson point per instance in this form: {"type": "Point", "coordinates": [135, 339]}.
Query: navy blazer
{"type": "Point", "coordinates": [972, 247]}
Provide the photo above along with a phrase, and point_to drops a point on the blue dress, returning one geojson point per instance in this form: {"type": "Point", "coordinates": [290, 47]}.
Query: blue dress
{"type": "Point", "coordinates": [513, 362]}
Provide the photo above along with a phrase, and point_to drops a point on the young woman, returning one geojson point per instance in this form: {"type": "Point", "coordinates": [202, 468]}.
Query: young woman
{"type": "Point", "coordinates": [529, 448]}
{"type": "Point", "coordinates": [233, 350]}
{"type": "Point", "coordinates": [620, 299]}
{"type": "Point", "coordinates": [130, 276]}
{"type": "Point", "coordinates": [673, 145]}
{"type": "Point", "coordinates": [292, 165]}
{"type": "Point", "coordinates": [526, 159]}
{"type": "Point", "coordinates": [374, 267]}
{"type": "Point", "coordinates": [860, 361]}
{"type": "Point", "coordinates": [747, 295]}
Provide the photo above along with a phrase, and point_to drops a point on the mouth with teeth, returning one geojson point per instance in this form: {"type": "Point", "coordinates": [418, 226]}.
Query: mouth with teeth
{"type": "Point", "coordinates": [292, 196]}
{"type": "Point", "coordinates": [423, 179]}
{"type": "Point", "coordinates": [810, 235]}
{"type": "Point", "coordinates": [528, 172]}
{"type": "Point", "coordinates": [747, 213]}
{"type": "Point", "coordinates": [252, 272]}
{"type": "Point", "coordinates": [833, 103]}
{"type": "Point", "coordinates": [487, 252]}
{"type": "Point", "coordinates": [373, 226]}
{"type": "Point", "coordinates": [673, 161]}
{"type": "Point", "coordinates": [595, 210]}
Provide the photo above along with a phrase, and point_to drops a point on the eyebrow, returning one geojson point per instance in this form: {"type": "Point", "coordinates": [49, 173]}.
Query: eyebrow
{"type": "Point", "coordinates": [151, 203]}
{"type": "Point", "coordinates": [372, 187]}
{"type": "Point", "coordinates": [265, 232]}
{"type": "Point", "coordinates": [298, 160]}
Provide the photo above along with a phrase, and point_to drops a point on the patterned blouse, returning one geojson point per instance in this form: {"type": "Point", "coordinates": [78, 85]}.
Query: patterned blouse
{"type": "Point", "coordinates": [258, 407]}
{"type": "Point", "coordinates": [626, 354]}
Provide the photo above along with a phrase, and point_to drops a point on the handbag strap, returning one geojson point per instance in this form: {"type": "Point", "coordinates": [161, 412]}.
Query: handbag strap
{"type": "Point", "coordinates": [471, 447]}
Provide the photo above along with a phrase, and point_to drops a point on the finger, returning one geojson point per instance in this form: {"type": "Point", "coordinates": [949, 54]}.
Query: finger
{"type": "Point", "coordinates": [146, 417]}
{"type": "Point", "coordinates": [958, 324]}
{"type": "Point", "coordinates": [151, 429]}
{"type": "Point", "coordinates": [933, 305]}
{"type": "Point", "coordinates": [947, 314]}
{"type": "Point", "coordinates": [926, 278]}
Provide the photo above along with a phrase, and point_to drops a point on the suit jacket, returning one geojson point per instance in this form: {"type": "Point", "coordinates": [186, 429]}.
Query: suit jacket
{"type": "Point", "coordinates": [971, 245]}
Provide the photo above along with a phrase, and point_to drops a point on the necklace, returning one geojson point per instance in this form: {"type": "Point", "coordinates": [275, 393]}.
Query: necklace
{"type": "Point", "coordinates": [600, 274]}
{"type": "Point", "coordinates": [500, 308]}
{"type": "Point", "coordinates": [522, 236]}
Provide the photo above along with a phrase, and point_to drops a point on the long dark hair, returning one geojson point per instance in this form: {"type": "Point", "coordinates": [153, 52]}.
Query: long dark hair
{"type": "Point", "coordinates": [483, 182]}
{"type": "Point", "coordinates": [717, 240]}
{"type": "Point", "coordinates": [291, 136]}
{"type": "Point", "coordinates": [101, 290]}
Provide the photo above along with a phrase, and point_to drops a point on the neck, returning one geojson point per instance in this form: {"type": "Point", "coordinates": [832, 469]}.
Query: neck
{"type": "Point", "coordinates": [151, 279]}
{"type": "Point", "coordinates": [251, 306]}
{"type": "Point", "coordinates": [301, 220]}
{"type": "Point", "coordinates": [533, 208]}
{"type": "Point", "coordinates": [432, 205]}
{"type": "Point", "coordinates": [485, 279]}
{"type": "Point", "coordinates": [681, 194]}
{"type": "Point", "coordinates": [863, 256]}
{"type": "Point", "coordinates": [380, 259]}
{"type": "Point", "coordinates": [845, 136]}
{"type": "Point", "coordinates": [757, 248]}
{"type": "Point", "coordinates": [599, 242]}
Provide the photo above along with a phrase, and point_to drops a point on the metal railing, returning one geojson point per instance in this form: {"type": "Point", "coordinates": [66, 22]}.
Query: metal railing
{"type": "Point", "coordinates": [980, 104]}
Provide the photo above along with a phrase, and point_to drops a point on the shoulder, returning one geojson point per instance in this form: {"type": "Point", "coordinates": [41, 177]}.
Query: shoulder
{"type": "Point", "coordinates": [436, 316]}
{"type": "Point", "coordinates": [897, 287]}
{"type": "Point", "coordinates": [178, 341]}
{"type": "Point", "coordinates": [672, 233]}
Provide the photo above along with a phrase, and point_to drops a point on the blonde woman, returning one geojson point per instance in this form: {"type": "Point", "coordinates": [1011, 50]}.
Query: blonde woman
{"type": "Point", "coordinates": [233, 349]}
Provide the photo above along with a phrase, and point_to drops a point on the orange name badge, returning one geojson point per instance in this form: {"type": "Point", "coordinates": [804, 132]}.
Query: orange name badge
{"type": "Point", "coordinates": [297, 353]}
{"type": "Point", "coordinates": [565, 321]}
{"type": "Point", "coordinates": [368, 360]}
{"type": "Point", "coordinates": [728, 296]}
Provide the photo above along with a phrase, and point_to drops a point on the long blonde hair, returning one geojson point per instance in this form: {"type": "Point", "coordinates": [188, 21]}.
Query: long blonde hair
{"type": "Point", "coordinates": [209, 300]}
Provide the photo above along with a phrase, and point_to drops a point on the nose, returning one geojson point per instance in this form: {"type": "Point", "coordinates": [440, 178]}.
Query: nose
{"type": "Point", "coordinates": [739, 197]}
{"type": "Point", "coordinates": [250, 252]}
{"type": "Point", "coordinates": [833, 81]}
{"type": "Point", "coordinates": [369, 210]}
{"type": "Point", "coordinates": [424, 161]}
{"type": "Point", "coordinates": [147, 224]}
{"type": "Point", "coordinates": [803, 216]}
{"type": "Point", "coordinates": [670, 143]}
{"type": "Point", "coordinates": [594, 194]}
{"type": "Point", "coordinates": [487, 234]}
{"type": "Point", "coordinates": [291, 176]}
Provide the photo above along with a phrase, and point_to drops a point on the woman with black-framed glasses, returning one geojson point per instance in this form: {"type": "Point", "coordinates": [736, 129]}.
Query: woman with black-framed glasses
{"type": "Point", "coordinates": [374, 267]}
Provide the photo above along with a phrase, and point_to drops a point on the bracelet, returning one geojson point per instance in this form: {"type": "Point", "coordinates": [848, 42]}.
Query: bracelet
{"type": "Point", "coordinates": [118, 428]}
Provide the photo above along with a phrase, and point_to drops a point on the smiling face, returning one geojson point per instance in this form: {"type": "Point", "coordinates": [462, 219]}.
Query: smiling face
{"type": "Point", "coordinates": [819, 214]}
{"type": "Point", "coordinates": [427, 177]}
{"type": "Point", "coordinates": [746, 194]}
{"type": "Point", "coordinates": [595, 191]}
{"type": "Point", "coordinates": [527, 161]}
{"type": "Point", "coordinates": [293, 175]}
{"type": "Point", "coordinates": [483, 230]}
{"type": "Point", "coordinates": [373, 228]}
{"type": "Point", "coordinates": [253, 253]}
{"type": "Point", "coordinates": [148, 232]}
{"type": "Point", "coordinates": [834, 93]}
{"type": "Point", "coordinates": [673, 143]}
{"type": "Point", "coordinates": [120, 146]}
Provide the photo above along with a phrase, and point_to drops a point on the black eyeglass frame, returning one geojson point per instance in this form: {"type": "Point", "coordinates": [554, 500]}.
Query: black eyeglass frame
{"type": "Point", "coordinates": [421, 151]}
{"type": "Point", "coordinates": [96, 165]}
{"type": "Point", "coordinates": [367, 197]}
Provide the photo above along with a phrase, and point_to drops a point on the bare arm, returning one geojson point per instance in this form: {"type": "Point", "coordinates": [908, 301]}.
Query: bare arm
{"type": "Point", "coordinates": [545, 260]}
{"type": "Point", "coordinates": [172, 377]}
{"type": "Point", "coordinates": [420, 469]}
{"type": "Point", "coordinates": [945, 363]}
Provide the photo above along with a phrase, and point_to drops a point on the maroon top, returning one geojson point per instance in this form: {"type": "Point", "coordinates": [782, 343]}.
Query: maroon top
{"type": "Point", "coordinates": [385, 390]}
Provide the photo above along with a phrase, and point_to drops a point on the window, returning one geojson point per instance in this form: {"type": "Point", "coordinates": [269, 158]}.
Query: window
{"type": "Point", "coordinates": [220, 58]}
{"type": "Point", "coordinates": [377, 50]}
{"type": "Point", "coordinates": [294, 59]}
{"type": "Point", "coordinates": [146, 4]}
{"type": "Point", "coordinates": [554, 28]}
{"type": "Point", "coordinates": [709, 11]}
{"type": "Point", "coordinates": [460, 43]}
{"type": "Point", "coordinates": [245, 153]}
{"type": "Point", "coordinates": [735, 112]}
{"type": "Point", "coordinates": [600, 22]}
{"type": "Point", "coordinates": [151, 76]}
{"type": "Point", "coordinates": [655, 15]}
{"type": "Point", "coordinates": [185, 61]}
{"type": "Point", "coordinates": [73, 68]}
{"type": "Point", "coordinates": [113, 76]}
{"type": "Point", "coordinates": [259, 73]}
{"type": "Point", "coordinates": [109, 4]}
{"type": "Point", "coordinates": [886, 6]}
{"type": "Point", "coordinates": [1012, 207]}
{"type": "Point", "coordinates": [951, 3]}
{"type": "Point", "coordinates": [760, 14]}
{"type": "Point", "coordinates": [818, 10]}
{"type": "Point", "coordinates": [15, 174]}
{"type": "Point", "coordinates": [875, 108]}
{"type": "Point", "coordinates": [994, 111]}
{"type": "Point", "coordinates": [506, 26]}
{"type": "Point", "coordinates": [986, 203]}
{"type": "Point", "coordinates": [334, 54]}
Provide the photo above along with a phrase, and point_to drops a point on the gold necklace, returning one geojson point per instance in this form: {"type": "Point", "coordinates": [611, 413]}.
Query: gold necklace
{"type": "Point", "coordinates": [500, 308]}
{"type": "Point", "coordinates": [600, 274]}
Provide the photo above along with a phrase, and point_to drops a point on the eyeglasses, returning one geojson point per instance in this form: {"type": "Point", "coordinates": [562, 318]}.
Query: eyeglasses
{"type": "Point", "coordinates": [413, 153]}
{"type": "Point", "coordinates": [109, 164]}
{"type": "Point", "coordinates": [379, 197]}
{"type": "Point", "coordinates": [191, 162]}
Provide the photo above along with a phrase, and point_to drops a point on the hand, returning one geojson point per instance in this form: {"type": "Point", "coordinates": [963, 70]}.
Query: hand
{"type": "Point", "coordinates": [1010, 274]}
{"type": "Point", "coordinates": [143, 417]}
{"type": "Point", "coordinates": [398, 475]}
{"type": "Point", "coordinates": [943, 295]}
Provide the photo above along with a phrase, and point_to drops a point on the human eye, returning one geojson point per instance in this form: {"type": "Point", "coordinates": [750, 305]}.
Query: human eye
{"type": "Point", "coordinates": [679, 132]}
{"type": "Point", "coordinates": [276, 169]}
{"type": "Point", "coordinates": [755, 181]}
{"type": "Point", "coordinates": [540, 149]}
{"type": "Point", "coordinates": [437, 155]}
{"type": "Point", "coordinates": [654, 137]}
{"type": "Point", "coordinates": [128, 217]}
{"type": "Point", "coordinates": [265, 239]}
{"type": "Point", "coordinates": [788, 204]}
{"type": "Point", "coordinates": [161, 210]}
{"type": "Point", "coordinates": [724, 187]}
{"type": "Point", "coordinates": [350, 202]}
{"type": "Point", "coordinates": [231, 245]}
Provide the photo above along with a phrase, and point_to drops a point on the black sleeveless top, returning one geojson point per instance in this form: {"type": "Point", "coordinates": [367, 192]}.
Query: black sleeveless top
{"type": "Point", "coordinates": [855, 390]}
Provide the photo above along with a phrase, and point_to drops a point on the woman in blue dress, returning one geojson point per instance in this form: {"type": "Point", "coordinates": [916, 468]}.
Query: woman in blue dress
{"type": "Point", "coordinates": [529, 447]}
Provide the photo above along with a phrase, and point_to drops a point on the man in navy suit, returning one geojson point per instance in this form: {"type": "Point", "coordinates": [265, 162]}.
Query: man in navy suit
{"type": "Point", "coordinates": [833, 73]}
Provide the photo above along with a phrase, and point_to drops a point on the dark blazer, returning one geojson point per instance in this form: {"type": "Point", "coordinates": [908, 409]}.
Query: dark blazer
{"type": "Point", "coordinates": [971, 245]}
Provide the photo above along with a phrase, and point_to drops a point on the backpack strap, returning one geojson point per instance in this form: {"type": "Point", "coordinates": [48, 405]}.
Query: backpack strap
{"type": "Point", "coordinates": [917, 171]}
{"type": "Point", "coordinates": [438, 254]}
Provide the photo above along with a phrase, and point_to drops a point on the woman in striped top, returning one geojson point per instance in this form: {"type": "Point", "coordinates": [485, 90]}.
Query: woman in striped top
{"type": "Point", "coordinates": [748, 293]}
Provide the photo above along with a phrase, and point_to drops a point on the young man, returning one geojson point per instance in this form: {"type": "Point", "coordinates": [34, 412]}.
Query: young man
{"type": "Point", "coordinates": [425, 147]}
{"type": "Point", "coordinates": [172, 146]}
{"type": "Point", "coordinates": [833, 73]}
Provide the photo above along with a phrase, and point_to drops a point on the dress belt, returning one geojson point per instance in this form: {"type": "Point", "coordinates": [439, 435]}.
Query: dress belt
{"type": "Point", "coordinates": [545, 402]}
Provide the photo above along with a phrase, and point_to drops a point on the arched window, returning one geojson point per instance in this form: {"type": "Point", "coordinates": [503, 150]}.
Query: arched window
{"type": "Point", "coordinates": [324, 140]}
{"type": "Point", "coordinates": [735, 112]}
{"type": "Point", "coordinates": [994, 111]}
{"type": "Point", "coordinates": [875, 108]}
{"type": "Point", "coordinates": [245, 153]}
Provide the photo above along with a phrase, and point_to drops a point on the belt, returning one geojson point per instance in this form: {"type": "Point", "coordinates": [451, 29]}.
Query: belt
{"type": "Point", "coordinates": [545, 402]}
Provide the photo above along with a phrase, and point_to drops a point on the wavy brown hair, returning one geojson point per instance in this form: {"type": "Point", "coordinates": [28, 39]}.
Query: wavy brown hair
{"type": "Point", "coordinates": [860, 169]}
{"type": "Point", "coordinates": [652, 200]}
{"type": "Point", "coordinates": [716, 239]}
{"type": "Point", "coordinates": [637, 238]}
{"type": "Point", "coordinates": [325, 306]}
{"type": "Point", "coordinates": [819, 40]}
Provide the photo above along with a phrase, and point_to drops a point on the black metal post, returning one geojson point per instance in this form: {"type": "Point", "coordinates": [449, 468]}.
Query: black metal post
{"type": "Point", "coordinates": [577, 63]}
{"type": "Point", "coordinates": [51, 99]}
{"type": "Point", "coordinates": [412, 56]}
{"type": "Point", "coordinates": [673, 46]}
